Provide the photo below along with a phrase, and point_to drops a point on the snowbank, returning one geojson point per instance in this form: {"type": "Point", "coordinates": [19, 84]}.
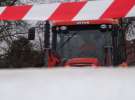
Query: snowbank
{"type": "Point", "coordinates": [68, 84]}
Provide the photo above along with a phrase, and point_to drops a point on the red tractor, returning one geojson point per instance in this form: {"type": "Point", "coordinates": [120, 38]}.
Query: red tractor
{"type": "Point", "coordinates": [107, 42]}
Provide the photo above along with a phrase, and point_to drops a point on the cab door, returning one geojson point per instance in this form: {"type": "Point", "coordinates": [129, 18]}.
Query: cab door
{"type": "Point", "coordinates": [130, 43]}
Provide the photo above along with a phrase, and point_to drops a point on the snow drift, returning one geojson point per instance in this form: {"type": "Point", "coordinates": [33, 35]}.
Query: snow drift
{"type": "Point", "coordinates": [68, 84]}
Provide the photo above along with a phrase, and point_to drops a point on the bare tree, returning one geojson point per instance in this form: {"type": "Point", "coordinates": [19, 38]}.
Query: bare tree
{"type": "Point", "coordinates": [42, 1]}
{"type": "Point", "coordinates": [7, 2]}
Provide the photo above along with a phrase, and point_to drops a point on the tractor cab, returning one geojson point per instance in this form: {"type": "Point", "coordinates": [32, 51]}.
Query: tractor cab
{"type": "Point", "coordinates": [85, 43]}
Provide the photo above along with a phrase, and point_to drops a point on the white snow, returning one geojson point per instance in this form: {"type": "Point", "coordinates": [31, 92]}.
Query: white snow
{"type": "Point", "coordinates": [68, 84]}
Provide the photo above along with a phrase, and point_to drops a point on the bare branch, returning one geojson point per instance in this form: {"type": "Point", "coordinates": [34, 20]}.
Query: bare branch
{"type": "Point", "coordinates": [13, 3]}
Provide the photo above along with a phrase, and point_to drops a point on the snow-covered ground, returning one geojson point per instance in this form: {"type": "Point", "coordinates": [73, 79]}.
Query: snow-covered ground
{"type": "Point", "coordinates": [68, 84]}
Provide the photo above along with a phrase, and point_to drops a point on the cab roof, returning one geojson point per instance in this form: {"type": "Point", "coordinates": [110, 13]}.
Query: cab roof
{"type": "Point", "coordinates": [86, 22]}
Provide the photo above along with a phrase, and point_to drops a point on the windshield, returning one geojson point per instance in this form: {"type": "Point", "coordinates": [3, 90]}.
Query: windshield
{"type": "Point", "coordinates": [83, 43]}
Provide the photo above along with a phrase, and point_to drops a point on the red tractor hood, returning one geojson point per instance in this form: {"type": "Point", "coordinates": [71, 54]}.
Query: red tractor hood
{"type": "Point", "coordinates": [83, 62]}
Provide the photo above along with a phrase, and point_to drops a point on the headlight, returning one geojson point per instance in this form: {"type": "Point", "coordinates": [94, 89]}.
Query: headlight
{"type": "Point", "coordinates": [63, 28]}
{"type": "Point", "coordinates": [103, 26]}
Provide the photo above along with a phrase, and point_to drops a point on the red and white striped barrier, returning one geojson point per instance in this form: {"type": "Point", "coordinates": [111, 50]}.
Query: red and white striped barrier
{"type": "Point", "coordinates": [71, 11]}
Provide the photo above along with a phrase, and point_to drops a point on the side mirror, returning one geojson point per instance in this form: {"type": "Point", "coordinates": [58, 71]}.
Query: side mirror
{"type": "Point", "coordinates": [31, 33]}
